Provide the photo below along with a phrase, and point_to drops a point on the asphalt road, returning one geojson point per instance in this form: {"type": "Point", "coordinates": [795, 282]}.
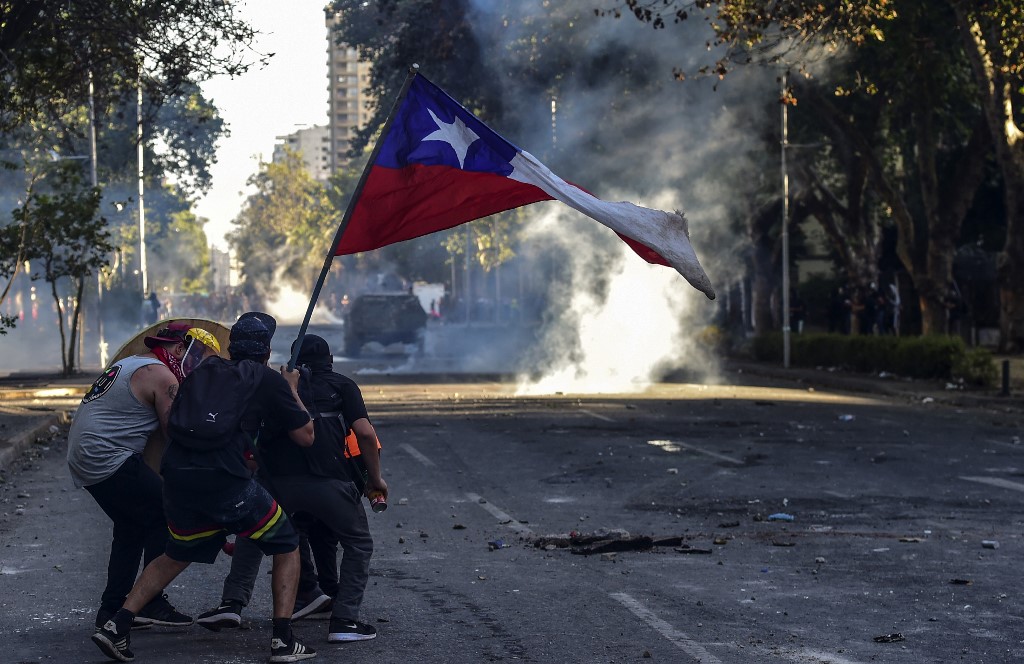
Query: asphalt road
{"type": "Point", "coordinates": [893, 506]}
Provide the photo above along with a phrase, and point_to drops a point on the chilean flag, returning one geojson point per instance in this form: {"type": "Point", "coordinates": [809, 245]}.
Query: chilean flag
{"type": "Point", "coordinates": [438, 166]}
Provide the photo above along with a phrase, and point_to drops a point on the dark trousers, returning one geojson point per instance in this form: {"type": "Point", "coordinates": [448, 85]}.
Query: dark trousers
{"type": "Point", "coordinates": [317, 543]}
{"type": "Point", "coordinates": [133, 499]}
{"type": "Point", "coordinates": [337, 505]}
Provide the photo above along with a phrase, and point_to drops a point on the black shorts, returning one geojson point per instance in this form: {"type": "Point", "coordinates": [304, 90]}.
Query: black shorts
{"type": "Point", "coordinates": [199, 521]}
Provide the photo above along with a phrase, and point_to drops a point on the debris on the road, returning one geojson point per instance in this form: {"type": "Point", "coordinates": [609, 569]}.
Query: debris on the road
{"type": "Point", "coordinates": [960, 582]}
{"type": "Point", "coordinates": [889, 638]}
{"type": "Point", "coordinates": [424, 534]}
{"type": "Point", "coordinates": [819, 560]}
{"type": "Point", "coordinates": [912, 539]}
{"type": "Point", "coordinates": [640, 543]}
{"type": "Point", "coordinates": [781, 543]}
{"type": "Point", "coordinates": [989, 544]}
{"type": "Point", "coordinates": [496, 544]}
{"type": "Point", "coordinates": [401, 540]}
{"type": "Point", "coordinates": [608, 557]}
{"type": "Point", "coordinates": [403, 501]}
{"type": "Point", "coordinates": [928, 400]}
{"type": "Point", "coordinates": [673, 471]}
{"type": "Point", "coordinates": [847, 418]}
{"type": "Point", "coordinates": [686, 548]}
{"type": "Point", "coordinates": [606, 541]}
{"type": "Point", "coordinates": [780, 516]}
{"type": "Point", "coordinates": [458, 526]}
{"type": "Point", "coordinates": [719, 541]}
{"type": "Point", "coordinates": [729, 524]}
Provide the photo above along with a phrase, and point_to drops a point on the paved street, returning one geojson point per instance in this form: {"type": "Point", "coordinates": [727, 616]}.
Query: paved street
{"type": "Point", "coordinates": [894, 504]}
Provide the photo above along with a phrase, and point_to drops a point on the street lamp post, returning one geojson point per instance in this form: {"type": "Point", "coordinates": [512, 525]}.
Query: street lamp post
{"type": "Point", "coordinates": [142, 208]}
{"type": "Point", "coordinates": [785, 226]}
{"type": "Point", "coordinates": [95, 183]}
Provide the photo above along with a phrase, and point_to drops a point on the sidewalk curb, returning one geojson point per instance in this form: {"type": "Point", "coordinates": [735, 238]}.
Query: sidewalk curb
{"type": "Point", "coordinates": [13, 447]}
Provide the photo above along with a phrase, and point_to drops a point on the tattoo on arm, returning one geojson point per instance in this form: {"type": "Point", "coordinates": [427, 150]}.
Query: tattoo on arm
{"type": "Point", "coordinates": [172, 391]}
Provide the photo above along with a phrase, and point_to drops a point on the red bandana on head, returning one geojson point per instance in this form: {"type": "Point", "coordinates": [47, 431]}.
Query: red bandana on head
{"type": "Point", "coordinates": [171, 362]}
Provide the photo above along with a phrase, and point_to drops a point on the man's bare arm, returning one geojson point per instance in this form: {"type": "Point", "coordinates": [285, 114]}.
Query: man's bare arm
{"type": "Point", "coordinates": [369, 451]}
{"type": "Point", "coordinates": [155, 385]}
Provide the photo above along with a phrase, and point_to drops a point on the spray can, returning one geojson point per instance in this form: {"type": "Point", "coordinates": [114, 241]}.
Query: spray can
{"type": "Point", "coordinates": [377, 502]}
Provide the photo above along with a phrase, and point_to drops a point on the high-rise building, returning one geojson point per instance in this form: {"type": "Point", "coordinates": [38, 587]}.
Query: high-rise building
{"type": "Point", "coordinates": [348, 103]}
{"type": "Point", "coordinates": [313, 145]}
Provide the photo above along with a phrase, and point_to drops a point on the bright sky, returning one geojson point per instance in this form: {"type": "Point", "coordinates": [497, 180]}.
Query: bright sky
{"type": "Point", "coordinates": [288, 94]}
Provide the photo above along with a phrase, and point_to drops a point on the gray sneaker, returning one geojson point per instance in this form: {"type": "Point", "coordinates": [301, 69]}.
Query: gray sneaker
{"type": "Point", "coordinates": [310, 604]}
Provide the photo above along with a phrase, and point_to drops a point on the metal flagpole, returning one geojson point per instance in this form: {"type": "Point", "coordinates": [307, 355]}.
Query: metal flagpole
{"type": "Point", "coordinates": [413, 70]}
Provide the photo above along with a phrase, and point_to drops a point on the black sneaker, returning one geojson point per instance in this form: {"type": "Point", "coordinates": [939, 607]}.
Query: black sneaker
{"type": "Point", "coordinates": [311, 604]}
{"type": "Point", "coordinates": [289, 651]}
{"type": "Point", "coordinates": [350, 630]}
{"type": "Point", "coordinates": [160, 612]}
{"type": "Point", "coordinates": [227, 615]}
{"type": "Point", "coordinates": [113, 645]}
{"type": "Point", "coordinates": [103, 615]}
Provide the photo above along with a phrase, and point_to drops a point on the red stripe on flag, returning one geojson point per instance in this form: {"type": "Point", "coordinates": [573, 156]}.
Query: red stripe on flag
{"type": "Point", "coordinates": [402, 204]}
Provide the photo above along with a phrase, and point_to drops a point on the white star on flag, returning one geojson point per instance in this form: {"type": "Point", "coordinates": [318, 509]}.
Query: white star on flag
{"type": "Point", "coordinates": [455, 134]}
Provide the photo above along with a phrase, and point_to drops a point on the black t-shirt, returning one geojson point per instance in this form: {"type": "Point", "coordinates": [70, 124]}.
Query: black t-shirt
{"type": "Point", "coordinates": [330, 393]}
{"type": "Point", "coordinates": [271, 414]}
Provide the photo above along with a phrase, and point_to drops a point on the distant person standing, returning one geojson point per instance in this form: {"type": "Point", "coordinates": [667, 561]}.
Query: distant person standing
{"type": "Point", "coordinates": [895, 307]}
{"type": "Point", "coordinates": [954, 303]}
{"type": "Point", "coordinates": [797, 312]}
{"type": "Point", "coordinates": [151, 309]}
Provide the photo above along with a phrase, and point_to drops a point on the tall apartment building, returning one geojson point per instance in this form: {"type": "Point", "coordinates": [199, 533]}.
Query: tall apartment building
{"type": "Point", "coordinates": [313, 144]}
{"type": "Point", "coordinates": [347, 78]}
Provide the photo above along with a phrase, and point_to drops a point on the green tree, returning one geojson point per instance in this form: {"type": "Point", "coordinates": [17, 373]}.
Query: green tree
{"type": "Point", "coordinates": [898, 111]}
{"type": "Point", "coordinates": [284, 228]}
{"type": "Point", "coordinates": [51, 49]}
{"type": "Point", "coordinates": [64, 239]}
{"type": "Point", "coordinates": [992, 35]}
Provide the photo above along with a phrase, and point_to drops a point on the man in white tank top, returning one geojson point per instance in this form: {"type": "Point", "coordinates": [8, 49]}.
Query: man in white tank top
{"type": "Point", "coordinates": [119, 413]}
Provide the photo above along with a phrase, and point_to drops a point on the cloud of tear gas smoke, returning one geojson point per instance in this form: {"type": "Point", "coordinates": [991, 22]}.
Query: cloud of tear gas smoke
{"type": "Point", "coordinates": [289, 306]}
{"type": "Point", "coordinates": [625, 325]}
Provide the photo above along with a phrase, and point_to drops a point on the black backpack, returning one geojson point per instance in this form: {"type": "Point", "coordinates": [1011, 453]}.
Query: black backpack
{"type": "Point", "coordinates": [208, 412]}
{"type": "Point", "coordinates": [320, 392]}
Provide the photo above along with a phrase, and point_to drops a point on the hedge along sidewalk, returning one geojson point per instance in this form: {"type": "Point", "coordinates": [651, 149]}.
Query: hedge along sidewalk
{"type": "Point", "coordinates": [940, 357]}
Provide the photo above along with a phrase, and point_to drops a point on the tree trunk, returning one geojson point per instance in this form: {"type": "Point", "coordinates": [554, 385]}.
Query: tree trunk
{"type": "Point", "coordinates": [998, 102]}
{"type": "Point", "coordinates": [75, 331]}
{"type": "Point", "coordinates": [60, 327]}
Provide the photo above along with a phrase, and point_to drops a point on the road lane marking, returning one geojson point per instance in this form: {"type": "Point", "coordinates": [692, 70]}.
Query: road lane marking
{"type": "Point", "coordinates": [503, 518]}
{"type": "Point", "coordinates": [679, 639]}
{"type": "Point", "coordinates": [809, 654]}
{"type": "Point", "coordinates": [593, 414]}
{"type": "Point", "coordinates": [673, 446]}
{"type": "Point", "coordinates": [996, 481]}
{"type": "Point", "coordinates": [415, 454]}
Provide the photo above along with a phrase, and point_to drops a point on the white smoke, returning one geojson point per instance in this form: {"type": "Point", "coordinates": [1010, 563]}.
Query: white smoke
{"type": "Point", "coordinates": [626, 322]}
{"type": "Point", "coordinates": [290, 304]}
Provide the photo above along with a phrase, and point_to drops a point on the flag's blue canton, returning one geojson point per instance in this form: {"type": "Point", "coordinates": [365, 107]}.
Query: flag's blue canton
{"type": "Point", "coordinates": [404, 144]}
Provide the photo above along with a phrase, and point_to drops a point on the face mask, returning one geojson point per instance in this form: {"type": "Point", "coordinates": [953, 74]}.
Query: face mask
{"type": "Point", "coordinates": [171, 362]}
{"type": "Point", "coordinates": [193, 356]}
